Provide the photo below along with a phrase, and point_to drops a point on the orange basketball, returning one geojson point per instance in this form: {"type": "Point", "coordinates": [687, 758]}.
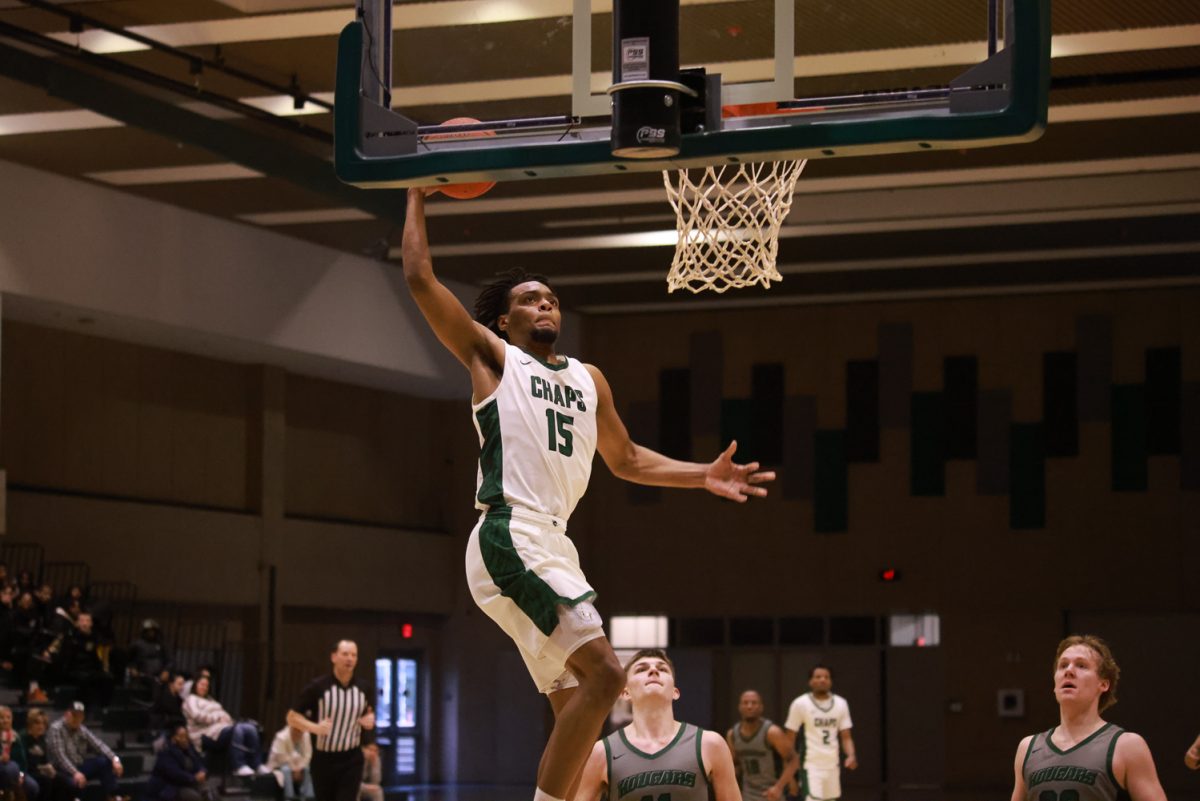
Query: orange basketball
{"type": "Point", "coordinates": [470, 190]}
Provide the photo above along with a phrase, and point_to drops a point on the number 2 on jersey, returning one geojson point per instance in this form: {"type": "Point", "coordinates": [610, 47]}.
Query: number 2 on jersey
{"type": "Point", "coordinates": [561, 438]}
{"type": "Point", "coordinates": [825, 734]}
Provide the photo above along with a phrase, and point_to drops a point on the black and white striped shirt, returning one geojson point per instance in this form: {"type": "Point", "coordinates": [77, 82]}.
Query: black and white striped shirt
{"type": "Point", "coordinates": [345, 704]}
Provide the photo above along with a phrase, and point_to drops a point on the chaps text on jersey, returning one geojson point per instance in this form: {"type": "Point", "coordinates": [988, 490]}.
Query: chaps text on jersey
{"type": "Point", "coordinates": [566, 397]}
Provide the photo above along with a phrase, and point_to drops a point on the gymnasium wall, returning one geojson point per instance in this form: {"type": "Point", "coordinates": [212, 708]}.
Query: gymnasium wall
{"type": "Point", "coordinates": [136, 459]}
{"type": "Point", "coordinates": [1013, 458]}
{"type": "Point", "coordinates": [149, 464]}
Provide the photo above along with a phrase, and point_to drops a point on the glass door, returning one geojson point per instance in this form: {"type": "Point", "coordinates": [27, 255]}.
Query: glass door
{"type": "Point", "coordinates": [398, 717]}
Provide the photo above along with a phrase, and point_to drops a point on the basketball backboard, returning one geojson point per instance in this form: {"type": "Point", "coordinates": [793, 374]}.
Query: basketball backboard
{"type": "Point", "coordinates": [989, 89]}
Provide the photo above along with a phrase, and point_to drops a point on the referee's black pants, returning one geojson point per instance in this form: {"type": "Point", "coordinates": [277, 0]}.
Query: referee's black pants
{"type": "Point", "coordinates": [337, 775]}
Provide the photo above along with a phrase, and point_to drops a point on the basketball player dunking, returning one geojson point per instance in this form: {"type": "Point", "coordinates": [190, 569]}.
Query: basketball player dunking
{"type": "Point", "coordinates": [1084, 758]}
{"type": "Point", "coordinates": [541, 416]}
{"type": "Point", "coordinates": [657, 756]}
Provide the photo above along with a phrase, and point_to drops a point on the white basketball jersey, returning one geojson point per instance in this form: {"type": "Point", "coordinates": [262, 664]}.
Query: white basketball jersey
{"type": "Point", "coordinates": [822, 721]}
{"type": "Point", "coordinates": [537, 435]}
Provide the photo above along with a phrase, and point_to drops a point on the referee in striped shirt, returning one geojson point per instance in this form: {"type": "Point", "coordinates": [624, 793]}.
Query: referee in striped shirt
{"type": "Point", "coordinates": [338, 711]}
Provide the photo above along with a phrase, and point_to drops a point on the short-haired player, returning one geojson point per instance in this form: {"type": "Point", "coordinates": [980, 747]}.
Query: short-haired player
{"type": "Point", "coordinates": [1085, 758]}
{"type": "Point", "coordinates": [655, 755]}
{"type": "Point", "coordinates": [541, 416]}
{"type": "Point", "coordinates": [825, 720]}
{"type": "Point", "coordinates": [763, 754]}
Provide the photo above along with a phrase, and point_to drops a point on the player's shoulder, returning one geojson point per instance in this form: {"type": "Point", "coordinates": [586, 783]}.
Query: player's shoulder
{"type": "Point", "coordinates": [1024, 746]}
{"type": "Point", "coordinates": [712, 742]}
{"type": "Point", "coordinates": [1129, 742]}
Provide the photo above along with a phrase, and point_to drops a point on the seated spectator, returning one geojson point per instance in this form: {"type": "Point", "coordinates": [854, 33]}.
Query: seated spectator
{"type": "Point", "coordinates": [168, 704]}
{"type": "Point", "coordinates": [81, 664]}
{"type": "Point", "coordinates": [371, 788]}
{"type": "Point", "coordinates": [14, 764]}
{"type": "Point", "coordinates": [43, 600]}
{"type": "Point", "coordinates": [79, 755]}
{"type": "Point", "coordinates": [179, 773]}
{"type": "Point", "coordinates": [25, 581]}
{"type": "Point", "coordinates": [29, 649]}
{"type": "Point", "coordinates": [212, 729]}
{"type": "Point", "coordinates": [8, 610]}
{"type": "Point", "coordinates": [73, 597]}
{"type": "Point", "coordinates": [37, 753]}
{"type": "Point", "coordinates": [62, 622]}
{"type": "Point", "coordinates": [149, 660]}
{"type": "Point", "coordinates": [291, 753]}
{"type": "Point", "coordinates": [203, 672]}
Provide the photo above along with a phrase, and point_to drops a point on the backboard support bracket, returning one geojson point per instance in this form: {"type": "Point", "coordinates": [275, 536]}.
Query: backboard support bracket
{"type": "Point", "coordinates": [1002, 100]}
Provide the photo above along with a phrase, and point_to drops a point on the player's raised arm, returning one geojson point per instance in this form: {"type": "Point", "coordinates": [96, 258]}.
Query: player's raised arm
{"type": "Point", "coordinates": [470, 342]}
{"type": "Point", "coordinates": [641, 465]}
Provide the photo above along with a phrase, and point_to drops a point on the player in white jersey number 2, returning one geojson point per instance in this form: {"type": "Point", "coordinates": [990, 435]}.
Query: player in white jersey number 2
{"type": "Point", "coordinates": [541, 417]}
{"type": "Point", "coordinates": [825, 718]}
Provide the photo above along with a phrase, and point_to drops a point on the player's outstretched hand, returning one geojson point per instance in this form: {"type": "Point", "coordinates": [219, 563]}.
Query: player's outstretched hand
{"type": "Point", "coordinates": [736, 481]}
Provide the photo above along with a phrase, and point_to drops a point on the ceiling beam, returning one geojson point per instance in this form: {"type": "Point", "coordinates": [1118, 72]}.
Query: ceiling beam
{"type": "Point", "coordinates": [234, 140]}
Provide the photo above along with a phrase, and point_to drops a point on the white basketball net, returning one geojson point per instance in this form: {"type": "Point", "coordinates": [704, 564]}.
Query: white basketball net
{"type": "Point", "coordinates": [728, 220]}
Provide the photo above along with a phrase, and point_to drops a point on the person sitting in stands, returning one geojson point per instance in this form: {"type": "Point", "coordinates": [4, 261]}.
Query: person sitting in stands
{"type": "Point", "coordinates": [291, 754]}
{"type": "Point", "coordinates": [37, 753]}
{"type": "Point", "coordinates": [79, 755]}
{"type": "Point", "coordinates": [81, 663]}
{"type": "Point", "coordinates": [168, 704]}
{"type": "Point", "coordinates": [149, 659]}
{"type": "Point", "coordinates": [213, 729]}
{"type": "Point", "coordinates": [30, 649]}
{"type": "Point", "coordinates": [14, 763]}
{"type": "Point", "coordinates": [179, 773]}
{"type": "Point", "coordinates": [371, 788]}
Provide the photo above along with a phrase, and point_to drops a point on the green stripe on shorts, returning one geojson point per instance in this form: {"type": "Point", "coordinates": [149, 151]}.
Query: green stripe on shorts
{"type": "Point", "coordinates": [528, 591]}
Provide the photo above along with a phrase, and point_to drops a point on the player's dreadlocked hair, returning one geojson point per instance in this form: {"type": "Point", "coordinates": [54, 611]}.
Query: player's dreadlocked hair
{"type": "Point", "coordinates": [494, 300]}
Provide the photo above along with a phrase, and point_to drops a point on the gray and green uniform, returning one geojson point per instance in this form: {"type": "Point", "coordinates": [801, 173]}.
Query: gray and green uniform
{"type": "Point", "coordinates": [676, 773]}
{"type": "Point", "coordinates": [760, 769]}
{"type": "Point", "coordinates": [1083, 772]}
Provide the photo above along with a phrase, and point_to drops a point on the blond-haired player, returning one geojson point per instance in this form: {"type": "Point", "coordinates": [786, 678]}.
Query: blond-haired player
{"type": "Point", "coordinates": [1084, 758]}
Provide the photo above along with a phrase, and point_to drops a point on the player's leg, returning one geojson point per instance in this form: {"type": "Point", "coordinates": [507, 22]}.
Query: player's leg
{"type": "Point", "coordinates": [579, 715]}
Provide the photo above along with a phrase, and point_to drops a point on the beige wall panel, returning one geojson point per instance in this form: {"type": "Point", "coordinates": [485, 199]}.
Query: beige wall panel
{"type": "Point", "coordinates": [987, 652]}
{"type": "Point", "coordinates": [97, 416]}
{"type": "Point", "coordinates": [172, 554]}
{"type": "Point", "coordinates": [34, 399]}
{"type": "Point", "coordinates": [359, 567]}
{"type": "Point", "coordinates": [360, 454]}
{"type": "Point", "coordinates": [155, 425]}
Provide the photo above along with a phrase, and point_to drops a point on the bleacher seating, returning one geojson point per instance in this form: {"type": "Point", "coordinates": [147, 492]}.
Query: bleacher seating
{"type": "Point", "coordinates": [125, 725]}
